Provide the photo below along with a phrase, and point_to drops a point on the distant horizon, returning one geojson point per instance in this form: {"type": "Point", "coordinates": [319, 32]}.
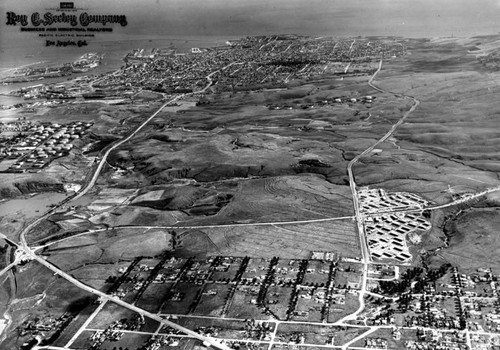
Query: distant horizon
{"type": "Point", "coordinates": [232, 18]}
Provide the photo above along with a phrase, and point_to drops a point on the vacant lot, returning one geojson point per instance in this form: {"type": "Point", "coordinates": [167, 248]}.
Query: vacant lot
{"type": "Point", "coordinates": [284, 241]}
{"type": "Point", "coordinates": [318, 334]}
{"type": "Point", "coordinates": [475, 240]}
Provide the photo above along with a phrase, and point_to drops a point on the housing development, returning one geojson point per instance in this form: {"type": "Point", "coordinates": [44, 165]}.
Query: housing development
{"type": "Point", "coordinates": [271, 192]}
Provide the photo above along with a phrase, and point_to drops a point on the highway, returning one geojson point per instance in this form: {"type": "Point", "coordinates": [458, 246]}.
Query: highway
{"type": "Point", "coordinates": [358, 216]}
{"type": "Point", "coordinates": [91, 182]}
{"type": "Point", "coordinates": [366, 260]}
{"type": "Point", "coordinates": [126, 305]}
{"type": "Point", "coordinates": [199, 227]}
{"type": "Point", "coordinates": [89, 185]}
{"type": "Point", "coordinates": [8, 267]}
{"type": "Point", "coordinates": [16, 260]}
{"type": "Point", "coordinates": [102, 162]}
{"type": "Point", "coordinates": [104, 157]}
{"type": "Point", "coordinates": [272, 223]}
{"type": "Point", "coordinates": [365, 254]}
{"type": "Point", "coordinates": [345, 346]}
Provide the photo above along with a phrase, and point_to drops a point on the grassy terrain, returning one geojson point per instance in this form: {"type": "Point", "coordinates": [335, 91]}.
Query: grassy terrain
{"type": "Point", "coordinates": [285, 241]}
{"type": "Point", "coordinates": [474, 241]}
{"type": "Point", "coordinates": [236, 161]}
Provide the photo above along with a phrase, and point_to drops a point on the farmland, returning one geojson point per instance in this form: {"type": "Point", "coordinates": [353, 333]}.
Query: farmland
{"type": "Point", "coordinates": [339, 208]}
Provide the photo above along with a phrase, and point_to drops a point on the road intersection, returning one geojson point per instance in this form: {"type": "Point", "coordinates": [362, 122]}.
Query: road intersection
{"type": "Point", "coordinates": [358, 216]}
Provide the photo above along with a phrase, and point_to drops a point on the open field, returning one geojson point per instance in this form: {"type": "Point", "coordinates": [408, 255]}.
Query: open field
{"type": "Point", "coordinates": [285, 241]}
{"type": "Point", "coordinates": [180, 300]}
{"type": "Point", "coordinates": [264, 156]}
{"type": "Point", "coordinates": [474, 240]}
{"type": "Point", "coordinates": [108, 247]}
{"type": "Point", "coordinates": [278, 198]}
{"type": "Point", "coordinates": [154, 295]}
{"type": "Point", "coordinates": [49, 300]}
{"type": "Point", "coordinates": [244, 298]}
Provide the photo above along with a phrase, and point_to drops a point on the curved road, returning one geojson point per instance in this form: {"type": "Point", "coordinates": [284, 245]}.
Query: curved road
{"type": "Point", "coordinates": [24, 246]}
{"type": "Point", "coordinates": [358, 217]}
{"type": "Point", "coordinates": [352, 183]}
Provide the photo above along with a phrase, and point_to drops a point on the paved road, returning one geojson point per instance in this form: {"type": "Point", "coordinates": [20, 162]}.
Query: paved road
{"type": "Point", "coordinates": [276, 223]}
{"type": "Point", "coordinates": [250, 341]}
{"type": "Point", "coordinates": [439, 206]}
{"type": "Point", "coordinates": [86, 324]}
{"type": "Point", "coordinates": [102, 162]}
{"type": "Point", "coordinates": [122, 303]}
{"type": "Point", "coordinates": [359, 337]}
{"type": "Point", "coordinates": [365, 254]}
{"type": "Point", "coordinates": [352, 44]}
{"type": "Point", "coordinates": [464, 199]}
{"type": "Point", "coordinates": [15, 262]}
{"type": "Point", "coordinates": [82, 192]}
{"type": "Point", "coordinates": [126, 305]}
{"type": "Point", "coordinates": [358, 217]}
{"type": "Point", "coordinates": [8, 267]}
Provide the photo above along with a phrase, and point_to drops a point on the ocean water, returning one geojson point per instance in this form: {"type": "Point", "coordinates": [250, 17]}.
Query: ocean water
{"type": "Point", "coordinates": [194, 23]}
{"type": "Point", "coordinates": [32, 52]}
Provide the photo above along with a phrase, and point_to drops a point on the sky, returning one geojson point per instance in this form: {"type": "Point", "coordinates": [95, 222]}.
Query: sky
{"type": "Point", "coordinates": [410, 18]}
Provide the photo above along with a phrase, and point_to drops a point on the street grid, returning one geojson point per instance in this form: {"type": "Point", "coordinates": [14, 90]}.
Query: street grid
{"type": "Point", "coordinates": [365, 216]}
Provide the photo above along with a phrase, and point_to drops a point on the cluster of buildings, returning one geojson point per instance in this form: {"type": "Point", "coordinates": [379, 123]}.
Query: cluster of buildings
{"type": "Point", "coordinates": [443, 311]}
{"type": "Point", "coordinates": [37, 144]}
{"type": "Point", "coordinates": [292, 288]}
{"type": "Point", "coordinates": [258, 330]}
{"type": "Point", "coordinates": [388, 227]}
{"type": "Point", "coordinates": [30, 107]}
{"type": "Point", "coordinates": [327, 102]}
{"type": "Point", "coordinates": [20, 125]}
{"type": "Point", "coordinates": [377, 343]}
{"type": "Point", "coordinates": [55, 94]}
{"type": "Point", "coordinates": [293, 338]}
{"type": "Point", "coordinates": [387, 234]}
{"type": "Point", "coordinates": [138, 56]}
{"type": "Point", "coordinates": [246, 345]}
{"type": "Point", "coordinates": [430, 339]}
{"type": "Point", "coordinates": [115, 331]}
{"type": "Point", "coordinates": [44, 327]}
{"type": "Point", "coordinates": [485, 341]}
{"type": "Point", "coordinates": [249, 63]}
{"type": "Point", "coordinates": [158, 341]}
{"type": "Point", "coordinates": [478, 299]}
{"type": "Point", "coordinates": [132, 279]}
{"type": "Point", "coordinates": [435, 315]}
{"type": "Point", "coordinates": [373, 201]}
{"type": "Point", "coordinates": [86, 62]}
{"type": "Point", "coordinates": [273, 61]}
